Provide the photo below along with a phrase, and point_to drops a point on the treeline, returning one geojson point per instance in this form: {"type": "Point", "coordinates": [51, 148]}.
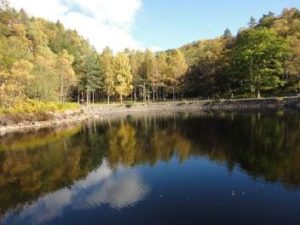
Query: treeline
{"type": "Point", "coordinates": [43, 61]}
{"type": "Point", "coordinates": [263, 57]}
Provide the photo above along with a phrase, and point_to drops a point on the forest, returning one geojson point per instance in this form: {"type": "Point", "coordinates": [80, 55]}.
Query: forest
{"type": "Point", "coordinates": [45, 62]}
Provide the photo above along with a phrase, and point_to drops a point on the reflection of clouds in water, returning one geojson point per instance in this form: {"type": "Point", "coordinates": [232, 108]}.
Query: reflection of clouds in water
{"type": "Point", "coordinates": [121, 189]}
{"type": "Point", "coordinates": [118, 192]}
{"type": "Point", "coordinates": [43, 210]}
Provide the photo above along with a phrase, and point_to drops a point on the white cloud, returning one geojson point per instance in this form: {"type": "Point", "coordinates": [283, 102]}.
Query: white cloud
{"type": "Point", "coordinates": [102, 22]}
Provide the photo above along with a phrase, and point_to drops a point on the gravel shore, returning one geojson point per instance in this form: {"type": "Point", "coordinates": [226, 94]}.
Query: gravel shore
{"type": "Point", "coordinates": [102, 111]}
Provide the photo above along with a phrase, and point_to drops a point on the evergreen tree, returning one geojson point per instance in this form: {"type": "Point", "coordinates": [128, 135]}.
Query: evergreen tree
{"type": "Point", "coordinates": [227, 33]}
{"type": "Point", "coordinates": [252, 23]}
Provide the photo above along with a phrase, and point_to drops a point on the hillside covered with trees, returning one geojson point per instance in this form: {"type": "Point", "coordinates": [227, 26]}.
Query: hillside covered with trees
{"type": "Point", "coordinates": [43, 61]}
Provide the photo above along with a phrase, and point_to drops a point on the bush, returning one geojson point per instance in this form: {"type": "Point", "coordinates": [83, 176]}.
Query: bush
{"type": "Point", "coordinates": [279, 99]}
{"type": "Point", "coordinates": [207, 103]}
{"type": "Point", "coordinates": [129, 105]}
{"type": "Point", "coordinates": [32, 106]}
{"type": "Point", "coordinates": [184, 102]}
{"type": "Point", "coordinates": [31, 111]}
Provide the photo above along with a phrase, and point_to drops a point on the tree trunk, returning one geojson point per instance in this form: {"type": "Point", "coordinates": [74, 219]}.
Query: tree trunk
{"type": "Point", "coordinates": [144, 92]}
{"type": "Point", "coordinates": [258, 93]}
{"type": "Point", "coordinates": [108, 100]}
{"type": "Point", "coordinates": [298, 84]}
{"type": "Point", "coordinates": [134, 94]}
{"type": "Point", "coordinates": [173, 90]}
{"type": "Point", "coordinates": [78, 96]}
{"type": "Point", "coordinates": [87, 97]}
{"type": "Point", "coordinates": [121, 98]}
{"type": "Point", "coordinates": [61, 89]}
{"type": "Point", "coordinates": [153, 92]}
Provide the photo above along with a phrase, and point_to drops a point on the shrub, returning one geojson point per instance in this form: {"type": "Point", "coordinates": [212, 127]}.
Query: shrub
{"type": "Point", "coordinates": [129, 105]}
{"type": "Point", "coordinates": [31, 106]}
{"type": "Point", "coordinates": [184, 102]}
{"type": "Point", "coordinates": [279, 99]}
{"type": "Point", "coordinates": [32, 110]}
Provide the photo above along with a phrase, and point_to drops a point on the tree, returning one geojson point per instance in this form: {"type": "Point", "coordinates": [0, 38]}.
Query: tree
{"type": "Point", "coordinates": [136, 59]}
{"type": "Point", "coordinates": [259, 56]}
{"type": "Point", "coordinates": [207, 61]}
{"type": "Point", "coordinates": [21, 72]}
{"type": "Point", "coordinates": [13, 49]}
{"type": "Point", "coordinates": [161, 69]}
{"type": "Point", "coordinates": [122, 71]}
{"type": "Point", "coordinates": [148, 70]}
{"type": "Point", "coordinates": [4, 5]}
{"type": "Point", "coordinates": [252, 23]}
{"type": "Point", "coordinates": [4, 95]}
{"type": "Point", "coordinates": [45, 85]}
{"type": "Point", "coordinates": [267, 20]}
{"type": "Point", "coordinates": [227, 33]}
{"type": "Point", "coordinates": [107, 68]}
{"type": "Point", "coordinates": [93, 76]}
{"type": "Point", "coordinates": [288, 27]}
{"type": "Point", "coordinates": [292, 65]}
{"type": "Point", "coordinates": [13, 83]}
{"type": "Point", "coordinates": [66, 73]}
{"type": "Point", "coordinates": [177, 67]}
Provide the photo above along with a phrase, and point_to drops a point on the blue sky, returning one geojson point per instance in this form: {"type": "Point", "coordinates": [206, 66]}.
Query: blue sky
{"type": "Point", "coordinates": [172, 23]}
{"type": "Point", "coordinates": [154, 24]}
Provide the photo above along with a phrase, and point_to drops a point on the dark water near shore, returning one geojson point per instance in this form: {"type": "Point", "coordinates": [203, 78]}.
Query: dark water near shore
{"type": "Point", "coordinates": [184, 168]}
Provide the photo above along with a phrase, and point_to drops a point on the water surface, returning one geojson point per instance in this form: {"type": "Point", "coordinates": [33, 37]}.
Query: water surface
{"type": "Point", "coordinates": [183, 168]}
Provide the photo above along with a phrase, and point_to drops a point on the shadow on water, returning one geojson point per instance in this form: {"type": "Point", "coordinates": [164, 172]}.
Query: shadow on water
{"type": "Point", "coordinates": [99, 163]}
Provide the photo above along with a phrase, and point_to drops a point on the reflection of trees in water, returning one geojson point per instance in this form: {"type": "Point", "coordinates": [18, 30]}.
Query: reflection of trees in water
{"type": "Point", "coordinates": [147, 144]}
{"type": "Point", "coordinates": [33, 167]}
{"type": "Point", "coordinates": [263, 145]}
{"type": "Point", "coordinates": [121, 144]}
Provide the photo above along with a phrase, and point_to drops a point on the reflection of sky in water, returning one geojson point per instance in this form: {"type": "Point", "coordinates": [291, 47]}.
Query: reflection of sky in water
{"type": "Point", "coordinates": [120, 189]}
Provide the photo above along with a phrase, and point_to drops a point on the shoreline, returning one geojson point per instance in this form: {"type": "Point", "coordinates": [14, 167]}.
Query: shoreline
{"type": "Point", "coordinates": [104, 111]}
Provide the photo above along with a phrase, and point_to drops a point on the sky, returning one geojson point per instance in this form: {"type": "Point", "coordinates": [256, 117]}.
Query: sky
{"type": "Point", "coordinates": [153, 24]}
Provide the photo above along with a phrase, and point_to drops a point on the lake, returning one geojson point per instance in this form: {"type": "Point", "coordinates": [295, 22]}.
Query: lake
{"type": "Point", "coordinates": [156, 169]}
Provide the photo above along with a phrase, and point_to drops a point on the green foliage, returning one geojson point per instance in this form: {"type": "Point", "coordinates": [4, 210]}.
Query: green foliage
{"type": "Point", "coordinates": [263, 58]}
{"type": "Point", "coordinates": [129, 105]}
{"type": "Point", "coordinates": [92, 75]}
{"type": "Point", "coordinates": [258, 56]}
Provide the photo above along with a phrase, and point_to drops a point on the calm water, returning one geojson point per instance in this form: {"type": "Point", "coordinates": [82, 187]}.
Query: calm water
{"type": "Point", "coordinates": [178, 169]}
